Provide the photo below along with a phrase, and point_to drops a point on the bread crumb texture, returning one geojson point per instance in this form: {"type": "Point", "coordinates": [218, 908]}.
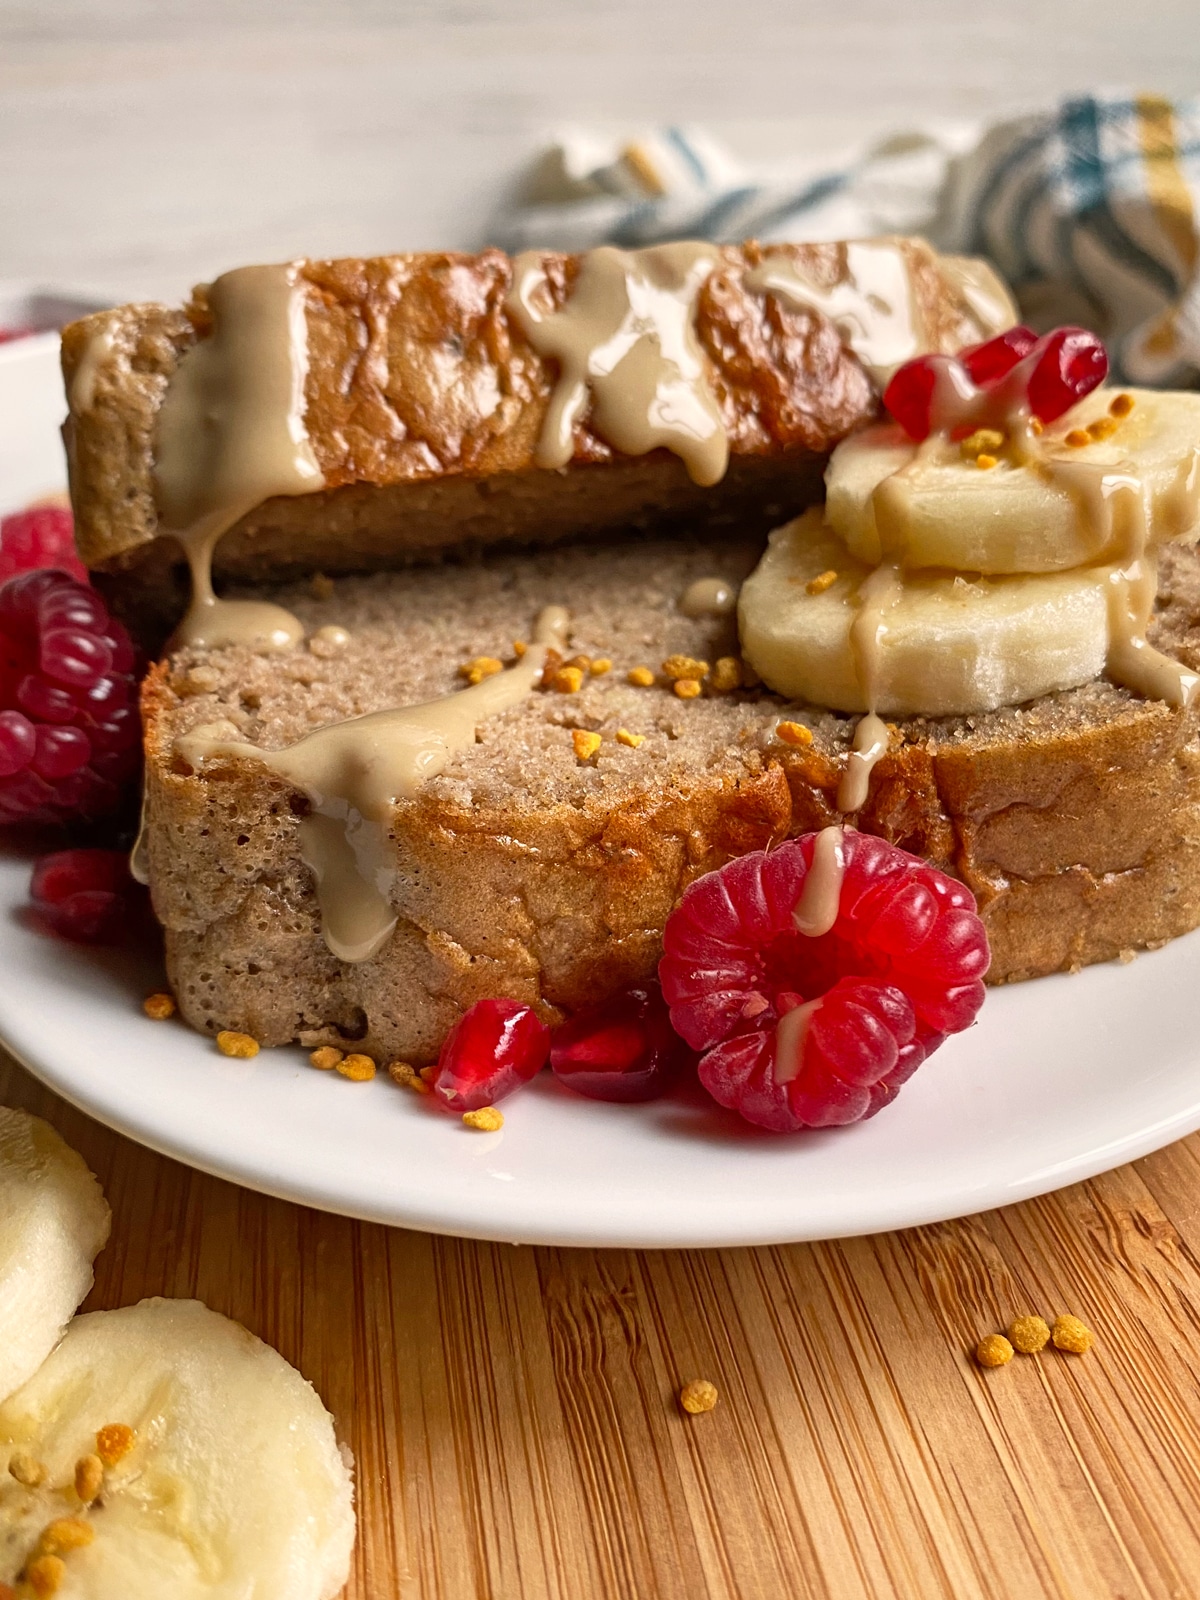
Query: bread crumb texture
{"type": "Point", "coordinates": [529, 870]}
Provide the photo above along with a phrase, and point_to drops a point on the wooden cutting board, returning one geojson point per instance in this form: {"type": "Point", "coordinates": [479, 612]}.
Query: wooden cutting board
{"type": "Point", "coordinates": [512, 1411]}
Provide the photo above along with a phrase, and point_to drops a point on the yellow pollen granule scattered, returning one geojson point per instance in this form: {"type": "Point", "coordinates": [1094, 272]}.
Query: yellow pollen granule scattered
{"type": "Point", "coordinates": [1029, 1335]}
{"type": "Point", "coordinates": [600, 666]}
{"type": "Point", "coordinates": [159, 1006]}
{"type": "Point", "coordinates": [240, 1045]}
{"type": "Point", "coordinates": [89, 1475]}
{"type": "Point", "coordinates": [326, 1058]}
{"type": "Point", "coordinates": [985, 463]}
{"type": "Point", "coordinates": [487, 1119]}
{"type": "Point", "coordinates": [631, 739]}
{"type": "Point", "coordinates": [65, 1533]}
{"type": "Point", "coordinates": [698, 1396]}
{"type": "Point", "coordinates": [1121, 405]}
{"type": "Point", "coordinates": [114, 1442]}
{"type": "Point", "coordinates": [640, 677]}
{"type": "Point", "coordinates": [407, 1076]}
{"type": "Point", "coordinates": [519, 648]}
{"type": "Point", "coordinates": [480, 668]}
{"type": "Point", "coordinates": [726, 674]}
{"type": "Point", "coordinates": [584, 663]}
{"type": "Point", "coordinates": [1070, 1334]}
{"type": "Point", "coordinates": [822, 581]}
{"type": "Point", "coordinates": [983, 439]}
{"type": "Point", "coordinates": [45, 1575]}
{"type": "Point", "coordinates": [26, 1470]}
{"type": "Point", "coordinates": [686, 688]}
{"type": "Point", "coordinates": [1078, 437]}
{"type": "Point", "coordinates": [793, 733]}
{"type": "Point", "coordinates": [1036, 426]}
{"type": "Point", "coordinates": [586, 744]}
{"type": "Point", "coordinates": [684, 667]}
{"type": "Point", "coordinates": [1102, 428]}
{"type": "Point", "coordinates": [567, 680]}
{"type": "Point", "coordinates": [994, 1351]}
{"type": "Point", "coordinates": [359, 1069]}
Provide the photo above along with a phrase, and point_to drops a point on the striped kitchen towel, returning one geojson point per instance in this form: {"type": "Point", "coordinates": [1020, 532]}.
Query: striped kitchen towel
{"type": "Point", "coordinates": [1091, 211]}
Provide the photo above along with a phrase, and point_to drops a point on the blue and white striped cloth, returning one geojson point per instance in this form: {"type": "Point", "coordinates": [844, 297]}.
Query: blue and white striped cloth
{"type": "Point", "coordinates": [1091, 211]}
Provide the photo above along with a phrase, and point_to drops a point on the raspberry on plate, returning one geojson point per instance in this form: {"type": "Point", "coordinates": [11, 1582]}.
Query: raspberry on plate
{"type": "Point", "coordinates": [901, 967]}
{"type": "Point", "coordinates": [87, 896]}
{"type": "Point", "coordinates": [70, 739]}
{"type": "Point", "coordinates": [40, 536]}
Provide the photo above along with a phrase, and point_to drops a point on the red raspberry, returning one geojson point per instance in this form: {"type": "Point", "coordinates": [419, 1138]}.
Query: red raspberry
{"type": "Point", "coordinates": [491, 1050]}
{"type": "Point", "coordinates": [69, 727]}
{"type": "Point", "coordinates": [622, 1050]}
{"type": "Point", "coordinates": [42, 536]}
{"type": "Point", "coordinates": [981, 385]}
{"type": "Point", "coordinates": [900, 968]}
{"type": "Point", "coordinates": [87, 896]}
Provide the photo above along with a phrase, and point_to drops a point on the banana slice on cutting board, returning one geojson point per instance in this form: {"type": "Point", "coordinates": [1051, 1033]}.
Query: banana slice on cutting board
{"type": "Point", "coordinates": [54, 1220]}
{"type": "Point", "coordinates": [947, 646]}
{"type": "Point", "coordinates": [208, 1466]}
{"type": "Point", "coordinates": [933, 506]}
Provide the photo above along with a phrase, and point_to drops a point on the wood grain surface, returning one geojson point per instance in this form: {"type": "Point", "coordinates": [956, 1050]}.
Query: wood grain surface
{"type": "Point", "coordinates": [512, 1411]}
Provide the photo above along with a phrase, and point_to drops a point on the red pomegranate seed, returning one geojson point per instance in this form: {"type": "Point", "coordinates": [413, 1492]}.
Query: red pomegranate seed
{"type": "Point", "coordinates": [987, 363]}
{"type": "Point", "coordinates": [909, 397]}
{"type": "Point", "coordinates": [492, 1049]}
{"type": "Point", "coordinates": [1066, 365]}
{"type": "Point", "coordinates": [624, 1049]}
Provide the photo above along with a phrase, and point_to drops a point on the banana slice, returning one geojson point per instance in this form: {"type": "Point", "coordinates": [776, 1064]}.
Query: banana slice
{"type": "Point", "coordinates": [214, 1471]}
{"type": "Point", "coordinates": [945, 511]}
{"type": "Point", "coordinates": [947, 646]}
{"type": "Point", "coordinates": [53, 1222]}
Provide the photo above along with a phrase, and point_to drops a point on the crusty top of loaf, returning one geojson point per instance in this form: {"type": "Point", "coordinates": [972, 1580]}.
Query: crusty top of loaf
{"type": "Point", "coordinates": [418, 377]}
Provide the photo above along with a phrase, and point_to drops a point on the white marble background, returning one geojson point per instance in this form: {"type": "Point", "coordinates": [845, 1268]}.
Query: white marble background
{"type": "Point", "coordinates": [145, 144]}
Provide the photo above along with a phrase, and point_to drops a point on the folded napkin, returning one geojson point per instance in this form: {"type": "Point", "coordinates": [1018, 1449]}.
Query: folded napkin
{"type": "Point", "coordinates": [1090, 211]}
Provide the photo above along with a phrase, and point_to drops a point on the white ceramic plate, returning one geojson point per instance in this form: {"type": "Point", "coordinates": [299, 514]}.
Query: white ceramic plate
{"type": "Point", "coordinates": [1061, 1079]}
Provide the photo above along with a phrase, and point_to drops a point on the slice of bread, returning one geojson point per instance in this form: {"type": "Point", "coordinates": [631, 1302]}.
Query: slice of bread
{"type": "Point", "coordinates": [525, 871]}
{"type": "Point", "coordinates": [424, 404]}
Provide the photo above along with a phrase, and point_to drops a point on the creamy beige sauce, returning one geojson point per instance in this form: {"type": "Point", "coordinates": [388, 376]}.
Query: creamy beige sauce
{"type": "Point", "coordinates": [790, 1033]}
{"type": "Point", "coordinates": [820, 899]}
{"type": "Point", "coordinates": [708, 597]}
{"type": "Point", "coordinates": [879, 591]}
{"type": "Point", "coordinates": [873, 306]}
{"type": "Point", "coordinates": [96, 355]}
{"type": "Point", "coordinates": [139, 856]}
{"type": "Point", "coordinates": [626, 341]}
{"type": "Point", "coordinates": [230, 435]}
{"type": "Point", "coordinates": [983, 291]}
{"type": "Point", "coordinates": [354, 772]}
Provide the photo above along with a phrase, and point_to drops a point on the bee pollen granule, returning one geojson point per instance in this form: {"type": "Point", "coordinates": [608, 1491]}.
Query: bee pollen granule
{"type": "Point", "coordinates": [1071, 1335]}
{"type": "Point", "coordinates": [1029, 1335]}
{"type": "Point", "coordinates": [994, 1351]}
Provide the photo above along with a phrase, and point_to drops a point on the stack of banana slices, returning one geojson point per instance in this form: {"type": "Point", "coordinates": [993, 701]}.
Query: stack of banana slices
{"type": "Point", "coordinates": [160, 1449]}
{"type": "Point", "coordinates": [1004, 558]}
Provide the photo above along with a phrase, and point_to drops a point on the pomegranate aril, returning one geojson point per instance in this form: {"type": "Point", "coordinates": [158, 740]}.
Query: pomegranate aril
{"type": "Point", "coordinates": [987, 363]}
{"type": "Point", "coordinates": [1065, 366]}
{"type": "Point", "coordinates": [909, 397]}
{"type": "Point", "coordinates": [623, 1050]}
{"type": "Point", "coordinates": [18, 741]}
{"type": "Point", "coordinates": [492, 1049]}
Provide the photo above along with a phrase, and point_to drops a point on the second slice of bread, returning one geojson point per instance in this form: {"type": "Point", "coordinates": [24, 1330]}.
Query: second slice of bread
{"type": "Point", "coordinates": [523, 871]}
